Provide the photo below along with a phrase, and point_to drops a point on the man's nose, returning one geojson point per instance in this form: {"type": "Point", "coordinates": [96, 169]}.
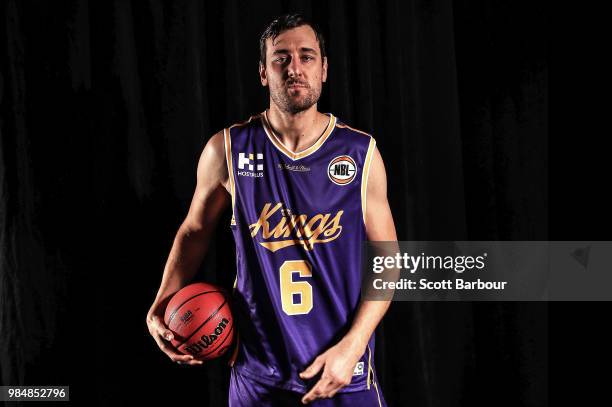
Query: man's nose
{"type": "Point", "coordinates": [294, 68]}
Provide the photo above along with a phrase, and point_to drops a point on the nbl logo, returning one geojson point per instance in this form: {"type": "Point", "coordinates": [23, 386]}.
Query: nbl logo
{"type": "Point", "coordinates": [342, 170]}
{"type": "Point", "coordinates": [251, 165]}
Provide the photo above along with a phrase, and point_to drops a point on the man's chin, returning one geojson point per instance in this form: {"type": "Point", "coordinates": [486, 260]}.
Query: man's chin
{"type": "Point", "coordinates": [298, 103]}
{"type": "Point", "coordinates": [297, 108]}
{"type": "Point", "coordinates": [295, 103]}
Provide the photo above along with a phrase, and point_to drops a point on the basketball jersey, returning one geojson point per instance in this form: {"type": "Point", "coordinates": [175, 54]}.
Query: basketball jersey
{"type": "Point", "coordinates": [298, 223]}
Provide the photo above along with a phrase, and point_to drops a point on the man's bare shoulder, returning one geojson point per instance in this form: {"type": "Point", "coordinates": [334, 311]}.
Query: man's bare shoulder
{"type": "Point", "coordinates": [217, 144]}
{"type": "Point", "coordinates": [213, 161]}
{"type": "Point", "coordinates": [212, 166]}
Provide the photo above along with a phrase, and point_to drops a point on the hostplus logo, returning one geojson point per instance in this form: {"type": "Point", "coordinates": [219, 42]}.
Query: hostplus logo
{"type": "Point", "coordinates": [250, 165]}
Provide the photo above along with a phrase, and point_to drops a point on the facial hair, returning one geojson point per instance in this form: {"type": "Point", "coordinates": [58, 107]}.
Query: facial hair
{"type": "Point", "coordinates": [294, 104]}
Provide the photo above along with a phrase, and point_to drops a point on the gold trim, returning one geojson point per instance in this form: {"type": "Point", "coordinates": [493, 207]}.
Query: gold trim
{"type": "Point", "coordinates": [230, 169]}
{"type": "Point", "coordinates": [230, 166]}
{"type": "Point", "coordinates": [236, 350]}
{"type": "Point", "coordinates": [255, 116]}
{"type": "Point", "coordinates": [228, 143]}
{"type": "Point", "coordinates": [346, 126]}
{"type": "Point", "coordinates": [364, 177]}
{"type": "Point", "coordinates": [369, 365]}
{"type": "Point", "coordinates": [377, 395]}
{"type": "Point", "coordinates": [293, 155]}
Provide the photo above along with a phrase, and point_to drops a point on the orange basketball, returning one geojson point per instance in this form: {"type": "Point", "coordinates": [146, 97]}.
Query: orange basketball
{"type": "Point", "coordinates": [199, 315]}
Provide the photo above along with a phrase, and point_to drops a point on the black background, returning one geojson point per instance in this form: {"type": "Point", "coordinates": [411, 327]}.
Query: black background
{"type": "Point", "coordinates": [106, 106]}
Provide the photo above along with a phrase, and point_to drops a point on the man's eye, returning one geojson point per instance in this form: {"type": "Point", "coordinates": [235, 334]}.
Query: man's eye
{"type": "Point", "coordinates": [280, 59]}
{"type": "Point", "coordinates": [307, 58]}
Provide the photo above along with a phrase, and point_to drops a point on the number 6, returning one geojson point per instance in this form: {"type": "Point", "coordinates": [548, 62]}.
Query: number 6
{"type": "Point", "coordinates": [288, 287]}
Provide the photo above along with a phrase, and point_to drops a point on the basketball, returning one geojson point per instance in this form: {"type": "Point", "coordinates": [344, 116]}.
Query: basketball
{"type": "Point", "coordinates": [200, 318]}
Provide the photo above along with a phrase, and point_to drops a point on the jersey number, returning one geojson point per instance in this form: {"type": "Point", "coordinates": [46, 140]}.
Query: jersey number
{"type": "Point", "coordinates": [296, 296]}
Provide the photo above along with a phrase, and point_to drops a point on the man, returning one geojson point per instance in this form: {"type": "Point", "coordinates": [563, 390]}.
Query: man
{"type": "Point", "coordinates": [305, 190]}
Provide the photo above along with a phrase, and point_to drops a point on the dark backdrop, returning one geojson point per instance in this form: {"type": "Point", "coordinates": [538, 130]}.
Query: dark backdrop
{"type": "Point", "coordinates": [106, 106]}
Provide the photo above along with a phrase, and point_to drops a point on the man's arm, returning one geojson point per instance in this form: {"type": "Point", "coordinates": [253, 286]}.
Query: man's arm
{"type": "Point", "coordinates": [339, 361]}
{"type": "Point", "coordinates": [380, 228]}
{"type": "Point", "coordinates": [192, 239]}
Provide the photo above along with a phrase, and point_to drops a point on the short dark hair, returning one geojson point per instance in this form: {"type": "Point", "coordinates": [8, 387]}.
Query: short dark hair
{"type": "Point", "coordinates": [284, 23]}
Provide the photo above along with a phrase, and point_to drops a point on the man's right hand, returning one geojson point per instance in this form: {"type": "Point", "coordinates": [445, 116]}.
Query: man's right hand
{"type": "Point", "coordinates": [162, 335]}
{"type": "Point", "coordinates": [211, 197]}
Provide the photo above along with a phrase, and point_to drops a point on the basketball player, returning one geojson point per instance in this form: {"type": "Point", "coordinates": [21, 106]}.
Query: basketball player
{"type": "Point", "coordinates": [305, 190]}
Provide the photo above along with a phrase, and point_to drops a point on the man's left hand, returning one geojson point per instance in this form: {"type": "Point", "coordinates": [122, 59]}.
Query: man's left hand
{"type": "Point", "coordinates": [338, 363]}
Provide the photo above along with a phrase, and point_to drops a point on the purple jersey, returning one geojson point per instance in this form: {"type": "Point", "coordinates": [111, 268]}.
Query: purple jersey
{"type": "Point", "coordinates": [298, 223]}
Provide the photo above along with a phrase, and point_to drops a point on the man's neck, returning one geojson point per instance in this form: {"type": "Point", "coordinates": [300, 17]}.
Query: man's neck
{"type": "Point", "coordinates": [297, 131]}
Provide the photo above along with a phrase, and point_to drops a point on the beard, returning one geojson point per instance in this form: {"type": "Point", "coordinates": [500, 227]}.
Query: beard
{"type": "Point", "coordinates": [288, 101]}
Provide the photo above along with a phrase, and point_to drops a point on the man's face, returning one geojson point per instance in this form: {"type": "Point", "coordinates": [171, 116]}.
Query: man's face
{"type": "Point", "coordinates": [294, 71]}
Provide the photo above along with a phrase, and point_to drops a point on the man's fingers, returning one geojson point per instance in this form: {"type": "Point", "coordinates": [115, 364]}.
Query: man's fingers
{"type": "Point", "coordinates": [313, 369]}
{"type": "Point", "coordinates": [319, 390]}
{"type": "Point", "coordinates": [166, 334]}
{"type": "Point", "coordinates": [326, 387]}
{"type": "Point", "coordinates": [311, 395]}
{"type": "Point", "coordinates": [160, 327]}
{"type": "Point", "coordinates": [193, 362]}
{"type": "Point", "coordinates": [162, 335]}
{"type": "Point", "coordinates": [335, 390]}
{"type": "Point", "coordinates": [168, 349]}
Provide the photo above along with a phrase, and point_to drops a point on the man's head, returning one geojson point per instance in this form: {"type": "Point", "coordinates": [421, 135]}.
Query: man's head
{"type": "Point", "coordinates": [292, 62]}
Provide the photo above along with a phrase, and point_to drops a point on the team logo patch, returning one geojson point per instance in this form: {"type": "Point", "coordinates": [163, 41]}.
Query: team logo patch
{"type": "Point", "coordinates": [250, 165]}
{"type": "Point", "coordinates": [342, 170]}
{"type": "Point", "coordinates": [294, 228]}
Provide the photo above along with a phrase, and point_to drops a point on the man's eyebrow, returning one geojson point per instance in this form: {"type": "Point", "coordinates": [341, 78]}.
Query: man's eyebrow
{"type": "Point", "coordinates": [286, 51]}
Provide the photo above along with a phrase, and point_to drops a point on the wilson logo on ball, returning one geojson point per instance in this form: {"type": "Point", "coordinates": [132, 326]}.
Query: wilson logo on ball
{"type": "Point", "coordinates": [200, 318]}
{"type": "Point", "coordinates": [342, 170]}
{"type": "Point", "coordinates": [207, 340]}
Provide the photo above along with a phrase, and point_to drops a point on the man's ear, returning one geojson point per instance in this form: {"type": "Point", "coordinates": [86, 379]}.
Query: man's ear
{"type": "Point", "coordinates": [262, 74]}
{"type": "Point", "coordinates": [324, 74]}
